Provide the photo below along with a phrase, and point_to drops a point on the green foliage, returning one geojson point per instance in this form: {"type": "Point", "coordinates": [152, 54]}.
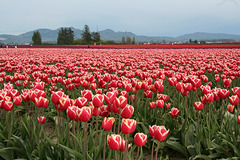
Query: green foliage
{"type": "Point", "coordinates": [36, 38]}
{"type": "Point", "coordinates": [65, 36]}
{"type": "Point", "coordinates": [86, 35]}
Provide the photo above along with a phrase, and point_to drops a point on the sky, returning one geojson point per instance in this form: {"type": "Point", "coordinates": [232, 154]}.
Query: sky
{"type": "Point", "coordinates": [141, 17]}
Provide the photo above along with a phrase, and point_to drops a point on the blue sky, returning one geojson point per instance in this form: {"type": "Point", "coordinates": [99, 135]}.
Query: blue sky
{"type": "Point", "coordinates": [142, 17]}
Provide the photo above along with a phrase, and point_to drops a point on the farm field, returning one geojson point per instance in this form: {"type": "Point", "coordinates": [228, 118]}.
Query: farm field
{"type": "Point", "coordinates": [63, 103]}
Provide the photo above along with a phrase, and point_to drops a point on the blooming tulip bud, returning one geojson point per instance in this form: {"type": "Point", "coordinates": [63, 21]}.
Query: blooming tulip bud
{"type": "Point", "coordinates": [84, 114]}
{"type": "Point", "coordinates": [71, 112]}
{"type": "Point", "coordinates": [127, 111]}
{"type": "Point", "coordinates": [140, 139]}
{"type": "Point", "coordinates": [98, 100]}
{"type": "Point", "coordinates": [122, 148]}
{"type": "Point", "coordinates": [223, 93]}
{"type": "Point", "coordinates": [107, 123]}
{"type": "Point", "coordinates": [109, 97]}
{"type": "Point", "coordinates": [81, 102]}
{"type": "Point", "coordinates": [87, 94]}
{"type": "Point", "coordinates": [152, 130]}
{"type": "Point", "coordinates": [64, 103]}
{"type": "Point", "coordinates": [161, 133]}
{"type": "Point", "coordinates": [8, 105]}
{"type": "Point", "coordinates": [17, 100]}
{"type": "Point", "coordinates": [236, 91]}
{"type": "Point", "coordinates": [230, 108]}
{"type": "Point", "coordinates": [174, 112]}
{"type": "Point", "coordinates": [121, 102]}
{"type": "Point", "coordinates": [152, 104]}
{"type": "Point", "coordinates": [160, 103]}
{"type": "Point", "coordinates": [42, 119]}
{"type": "Point", "coordinates": [114, 141]}
{"type": "Point", "coordinates": [198, 106]}
{"type": "Point", "coordinates": [234, 100]}
{"type": "Point", "coordinates": [128, 126]}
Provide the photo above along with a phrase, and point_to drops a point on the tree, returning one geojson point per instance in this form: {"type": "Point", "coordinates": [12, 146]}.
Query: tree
{"type": "Point", "coordinates": [123, 40]}
{"type": "Point", "coordinates": [129, 41]}
{"type": "Point", "coordinates": [134, 41]}
{"type": "Point", "coordinates": [65, 36]}
{"type": "Point", "coordinates": [36, 38]}
{"type": "Point", "coordinates": [86, 35]}
{"type": "Point", "coordinates": [96, 37]}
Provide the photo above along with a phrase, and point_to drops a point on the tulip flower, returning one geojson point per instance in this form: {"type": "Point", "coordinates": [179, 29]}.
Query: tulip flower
{"type": "Point", "coordinates": [107, 123]}
{"type": "Point", "coordinates": [87, 94]}
{"type": "Point", "coordinates": [236, 91]}
{"type": "Point", "coordinates": [8, 105]}
{"type": "Point", "coordinates": [114, 141]}
{"type": "Point", "coordinates": [174, 112]}
{"type": "Point", "coordinates": [122, 148]}
{"type": "Point", "coordinates": [152, 105]}
{"type": "Point", "coordinates": [140, 139]}
{"type": "Point", "coordinates": [121, 102]}
{"type": "Point", "coordinates": [223, 93]}
{"type": "Point", "coordinates": [234, 100]}
{"type": "Point", "coordinates": [128, 126]}
{"type": "Point", "coordinates": [230, 108]}
{"type": "Point", "coordinates": [160, 134]}
{"type": "Point", "coordinates": [81, 102]}
{"type": "Point", "coordinates": [198, 106]}
{"type": "Point", "coordinates": [84, 114]}
{"type": "Point", "coordinates": [127, 111]}
{"type": "Point", "coordinates": [17, 100]}
{"type": "Point", "coordinates": [98, 100]}
{"type": "Point", "coordinates": [238, 119]}
{"type": "Point", "coordinates": [71, 112]}
{"type": "Point", "coordinates": [41, 120]}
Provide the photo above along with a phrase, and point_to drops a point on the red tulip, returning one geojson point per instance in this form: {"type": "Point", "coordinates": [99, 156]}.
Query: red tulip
{"type": "Point", "coordinates": [121, 102]}
{"type": "Point", "coordinates": [81, 102]}
{"type": "Point", "coordinates": [234, 100]}
{"type": "Point", "coordinates": [84, 114]}
{"type": "Point", "coordinates": [127, 111]}
{"type": "Point", "coordinates": [168, 105]}
{"type": "Point", "coordinates": [187, 86]}
{"type": "Point", "coordinates": [8, 105]}
{"type": "Point", "coordinates": [236, 91]}
{"type": "Point", "coordinates": [230, 108]}
{"type": "Point", "coordinates": [124, 93]}
{"type": "Point", "coordinates": [98, 100]}
{"type": "Point", "coordinates": [71, 112]}
{"type": "Point", "coordinates": [174, 112]}
{"type": "Point", "coordinates": [152, 130]}
{"type": "Point", "coordinates": [160, 103]}
{"type": "Point", "coordinates": [56, 96]}
{"type": "Point", "coordinates": [161, 133]}
{"type": "Point", "coordinates": [152, 104]}
{"type": "Point", "coordinates": [114, 141]}
{"type": "Point", "coordinates": [122, 148]}
{"type": "Point", "coordinates": [179, 86]}
{"type": "Point", "coordinates": [128, 126]}
{"type": "Point", "coordinates": [107, 123]}
{"type": "Point", "coordinates": [223, 93]}
{"type": "Point", "coordinates": [198, 106]}
{"type": "Point", "coordinates": [140, 139]}
{"type": "Point", "coordinates": [128, 87]}
{"type": "Point", "coordinates": [172, 81]}
{"type": "Point", "coordinates": [17, 100]}
{"type": "Point", "coordinates": [209, 97]}
{"type": "Point", "coordinates": [87, 94]}
{"type": "Point", "coordinates": [238, 119]}
{"type": "Point", "coordinates": [64, 103]}
{"type": "Point", "coordinates": [109, 97]}
{"type": "Point", "coordinates": [227, 82]}
{"type": "Point", "coordinates": [42, 119]}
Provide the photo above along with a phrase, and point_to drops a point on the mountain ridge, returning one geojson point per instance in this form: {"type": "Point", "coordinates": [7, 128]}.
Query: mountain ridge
{"type": "Point", "coordinates": [49, 35]}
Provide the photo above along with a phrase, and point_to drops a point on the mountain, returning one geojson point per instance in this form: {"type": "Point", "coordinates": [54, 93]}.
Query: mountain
{"type": "Point", "coordinates": [49, 35]}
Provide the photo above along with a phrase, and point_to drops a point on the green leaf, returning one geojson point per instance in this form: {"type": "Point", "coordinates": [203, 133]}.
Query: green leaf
{"type": "Point", "coordinates": [203, 157]}
{"type": "Point", "coordinates": [177, 147]}
{"type": "Point", "coordinates": [5, 154]}
{"type": "Point", "coordinates": [72, 152]}
{"type": "Point", "coordinates": [236, 151]}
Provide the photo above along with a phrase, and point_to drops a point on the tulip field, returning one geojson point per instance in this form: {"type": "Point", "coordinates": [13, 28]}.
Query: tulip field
{"type": "Point", "coordinates": [122, 104]}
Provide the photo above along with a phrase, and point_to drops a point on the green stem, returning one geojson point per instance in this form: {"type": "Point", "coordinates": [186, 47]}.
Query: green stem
{"type": "Point", "coordinates": [152, 149]}
{"type": "Point", "coordinates": [157, 150]}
